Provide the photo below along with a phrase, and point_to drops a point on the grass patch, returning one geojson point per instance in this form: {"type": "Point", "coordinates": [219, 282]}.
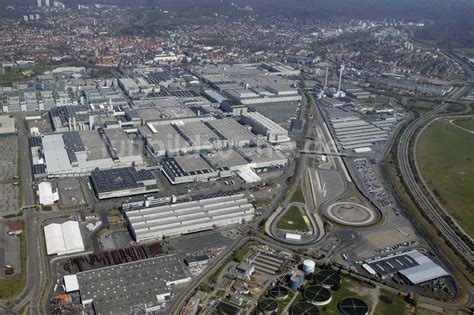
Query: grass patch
{"type": "Point", "coordinates": [422, 106]}
{"type": "Point", "coordinates": [283, 303]}
{"type": "Point", "coordinates": [456, 108]}
{"type": "Point", "coordinates": [445, 155]}
{"type": "Point", "coordinates": [25, 310]}
{"type": "Point", "coordinates": [298, 195]}
{"type": "Point", "coordinates": [466, 124]}
{"type": "Point", "coordinates": [12, 286]}
{"type": "Point", "coordinates": [292, 220]}
{"type": "Point", "coordinates": [239, 255]}
{"type": "Point", "coordinates": [390, 304]}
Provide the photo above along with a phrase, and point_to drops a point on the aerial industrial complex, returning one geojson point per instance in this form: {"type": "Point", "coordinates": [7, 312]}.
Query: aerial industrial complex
{"type": "Point", "coordinates": [193, 172]}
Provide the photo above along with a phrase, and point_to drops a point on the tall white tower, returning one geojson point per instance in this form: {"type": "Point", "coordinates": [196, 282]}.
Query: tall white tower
{"type": "Point", "coordinates": [326, 79]}
{"type": "Point", "coordinates": [47, 3]}
{"type": "Point", "coordinates": [340, 78]}
{"type": "Point", "coordinates": [39, 3]}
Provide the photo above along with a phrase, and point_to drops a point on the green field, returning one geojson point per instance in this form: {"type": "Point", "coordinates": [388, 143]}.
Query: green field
{"type": "Point", "coordinates": [292, 220]}
{"type": "Point", "coordinates": [422, 106]}
{"type": "Point", "coordinates": [445, 155]}
{"type": "Point", "coordinates": [391, 304]}
{"type": "Point", "coordinates": [466, 124]}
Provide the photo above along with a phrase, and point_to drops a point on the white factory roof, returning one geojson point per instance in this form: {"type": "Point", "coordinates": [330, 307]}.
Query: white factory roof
{"type": "Point", "coordinates": [62, 239]}
{"type": "Point", "coordinates": [187, 217]}
{"type": "Point", "coordinates": [248, 175]}
{"type": "Point", "coordinates": [424, 272]}
{"type": "Point", "coordinates": [70, 283]}
{"type": "Point", "coordinates": [46, 195]}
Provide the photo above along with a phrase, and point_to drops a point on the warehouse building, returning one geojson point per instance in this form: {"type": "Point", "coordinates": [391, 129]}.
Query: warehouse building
{"type": "Point", "coordinates": [119, 182]}
{"type": "Point", "coordinates": [135, 286]}
{"type": "Point", "coordinates": [70, 118]}
{"type": "Point", "coordinates": [265, 126]}
{"type": "Point", "coordinates": [268, 94]}
{"type": "Point", "coordinates": [63, 239]}
{"type": "Point", "coordinates": [46, 195]}
{"type": "Point", "coordinates": [197, 134]}
{"type": "Point", "coordinates": [78, 153]}
{"type": "Point", "coordinates": [187, 168]}
{"type": "Point", "coordinates": [413, 266]}
{"type": "Point", "coordinates": [353, 133]}
{"type": "Point", "coordinates": [188, 217]}
{"type": "Point", "coordinates": [213, 164]}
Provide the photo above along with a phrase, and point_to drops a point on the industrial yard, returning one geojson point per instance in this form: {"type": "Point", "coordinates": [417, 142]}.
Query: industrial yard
{"type": "Point", "coordinates": [272, 178]}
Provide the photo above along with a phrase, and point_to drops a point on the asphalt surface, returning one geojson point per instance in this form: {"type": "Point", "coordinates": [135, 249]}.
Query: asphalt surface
{"type": "Point", "coordinates": [32, 291]}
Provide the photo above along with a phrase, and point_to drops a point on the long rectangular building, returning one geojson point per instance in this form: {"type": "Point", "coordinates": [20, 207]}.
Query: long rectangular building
{"type": "Point", "coordinates": [187, 217]}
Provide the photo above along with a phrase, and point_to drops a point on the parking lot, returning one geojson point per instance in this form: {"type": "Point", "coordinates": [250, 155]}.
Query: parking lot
{"type": "Point", "coordinates": [369, 177]}
{"type": "Point", "coordinates": [196, 243]}
{"type": "Point", "coordinates": [8, 157]}
{"type": "Point", "coordinates": [9, 200]}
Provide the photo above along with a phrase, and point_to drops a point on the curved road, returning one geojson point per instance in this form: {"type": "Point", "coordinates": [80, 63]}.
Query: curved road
{"type": "Point", "coordinates": [408, 173]}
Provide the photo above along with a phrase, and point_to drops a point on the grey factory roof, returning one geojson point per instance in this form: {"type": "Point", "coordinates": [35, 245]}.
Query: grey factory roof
{"type": "Point", "coordinates": [85, 150]}
{"type": "Point", "coordinates": [187, 165]}
{"type": "Point", "coordinates": [261, 155]}
{"type": "Point", "coordinates": [118, 288]}
{"type": "Point", "coordinates": [198, 133]}
{"type": "Point", "coordinates": [225, 159]}
{"type": "Point", "coordinates": [166, 137]}
{"type": "Point", "coordinates": [230, 129]}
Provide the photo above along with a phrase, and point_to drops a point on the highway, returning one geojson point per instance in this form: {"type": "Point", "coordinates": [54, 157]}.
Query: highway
{"type": "Point", "coordinates": [408, 173]}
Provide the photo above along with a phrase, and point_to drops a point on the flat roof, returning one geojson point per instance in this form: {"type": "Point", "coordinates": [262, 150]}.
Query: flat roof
{"type": "Point", "coordinates": [231, 130]}
{"type": "Point", "coordinates": [181, 218]}
{"type": "Point", "coordinates": [118, 288]}
{"type": "Point", "coordinates": [416, 267]}
{"type": "Point", "coordinates": [117, 179]}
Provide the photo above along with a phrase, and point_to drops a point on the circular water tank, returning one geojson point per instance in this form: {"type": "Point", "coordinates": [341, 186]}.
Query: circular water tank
{"type": "Point", "coordinates": [308, 266]}
{"type": "Point", "coordinates": [353, 306]}
{"type": "Point", "coordinates": [268, 306]}
{"type": "Point", "coordinates": [317, 295]}
{"type": "Point", "coordinates": [296, 280]}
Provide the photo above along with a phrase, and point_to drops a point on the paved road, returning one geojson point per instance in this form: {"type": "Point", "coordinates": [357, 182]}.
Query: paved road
{"type": "Point", "coordinates": [35, 277]}
{"type": "Point", "coordinates": [408, 174]}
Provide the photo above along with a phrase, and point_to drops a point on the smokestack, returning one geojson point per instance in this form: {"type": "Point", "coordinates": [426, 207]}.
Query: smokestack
{"type": "Point", "coordinates": [326, 80]}
{"type": "Point", "coordinates": [340, 78]}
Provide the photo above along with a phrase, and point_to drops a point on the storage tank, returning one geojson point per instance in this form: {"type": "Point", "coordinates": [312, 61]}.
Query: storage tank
{"type": "Point", "coordinates": [308, 266]}
{"type": "Point", "coordinates": [296, 280]}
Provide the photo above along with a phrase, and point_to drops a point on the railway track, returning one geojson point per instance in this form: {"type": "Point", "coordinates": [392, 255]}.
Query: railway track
{"type": "Point", "coordinates": [427, 206]}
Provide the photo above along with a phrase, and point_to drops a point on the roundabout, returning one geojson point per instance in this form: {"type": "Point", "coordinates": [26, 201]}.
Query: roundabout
{"type": "Point", "coordinates": [352, 214]}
